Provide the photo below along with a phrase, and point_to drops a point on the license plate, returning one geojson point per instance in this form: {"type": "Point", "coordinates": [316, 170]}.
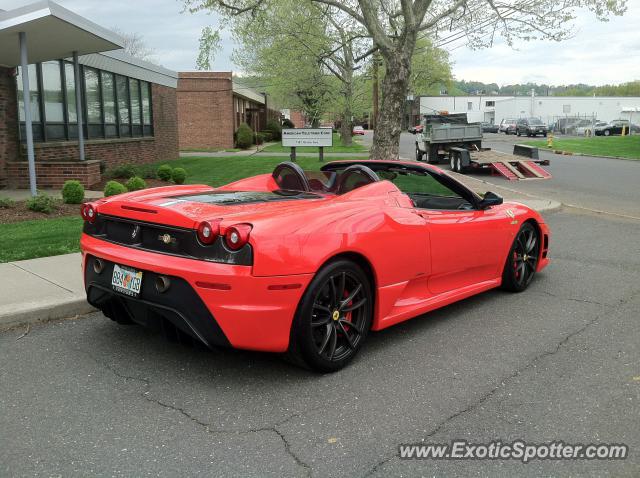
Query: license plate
{"type": "Point", "coordinates": [126, 280]}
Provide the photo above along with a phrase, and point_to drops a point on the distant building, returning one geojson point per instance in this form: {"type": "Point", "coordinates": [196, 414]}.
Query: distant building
{"type": "Point", "coordinates": [211, 106]}
{"type": "Point", "coordinates": [298, 118]}
{"type": "Point", "coordinates": [550, 109]}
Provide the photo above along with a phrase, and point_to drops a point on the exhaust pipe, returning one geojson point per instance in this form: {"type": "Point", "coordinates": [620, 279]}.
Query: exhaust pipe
{"type": "Point", "coordinates": [162, 284]}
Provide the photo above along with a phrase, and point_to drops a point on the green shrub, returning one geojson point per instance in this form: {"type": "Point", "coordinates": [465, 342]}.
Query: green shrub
{"type": "Point", "coordinates": [147, 171]}
{"type": "Point", "coordinates": [179, 175]}
{"type": "Point", "coordinates": [286, 123]}
{"type": "Point", "coordinates": [164, 172]}
{"type": "Point", "coordinates": [275, 128]}
{"type": "Point", "coordinates": [135, 183]}
{"type": "Point", "coordinates": [258, 138]}
{"type": "Point", "coordinates": [72, 192]}
{"type": "Point", "coordinates": [6, 203]}
{"type": "Point", "coordinates": [267, 135]}
{"type": "Point", "coordinates": [124, 171]}
{"type": "Point", "coordinates": [244, 136]}
{"type": "Point", "coordinates": [114, 187]}
{"type": "Point", "coordinates": [41, 203]}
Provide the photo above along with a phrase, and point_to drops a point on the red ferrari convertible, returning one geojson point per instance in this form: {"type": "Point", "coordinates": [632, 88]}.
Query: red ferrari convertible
{"type": "Point", "coordinates": [304, 262]}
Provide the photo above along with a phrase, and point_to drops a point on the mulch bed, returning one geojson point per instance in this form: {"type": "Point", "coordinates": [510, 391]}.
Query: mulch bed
{"type": "Point", "coordinates": [19, 212]}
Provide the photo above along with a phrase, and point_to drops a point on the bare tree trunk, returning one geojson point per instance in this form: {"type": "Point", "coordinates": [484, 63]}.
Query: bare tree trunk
{"type": "Point", "coordinates": [386, 137]}
{"type": "Point", "coordinates": [347, 126]}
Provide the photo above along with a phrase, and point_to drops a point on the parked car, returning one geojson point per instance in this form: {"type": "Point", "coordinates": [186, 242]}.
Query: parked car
{"type": "Point", "coordinates": [531, 127]}
{"type": "Point", "coordinates": [489, 128]}
{"type": "Point", "coordinates": [586, 129]}
{"type": "Point", "coordinates": [417, 129]}
{"type": "Point", "coordinates": [615, 127]}
{"type": "Point", "coordinates": [358, 130]}
{"type": "Point", "coordinates": [508, 126]}
{"type": "Point", "coordinates": [304, 262]}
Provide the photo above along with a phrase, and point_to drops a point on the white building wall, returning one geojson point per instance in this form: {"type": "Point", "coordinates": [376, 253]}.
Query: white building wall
{"type": "Point", "coordinates": [550, 108]}
{"type": "Point", "coordinates": [478, 108]}
{"type": "Point", "coordinates": [547, 108]}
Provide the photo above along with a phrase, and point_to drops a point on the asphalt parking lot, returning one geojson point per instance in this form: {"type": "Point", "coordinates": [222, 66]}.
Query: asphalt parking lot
{"type": "Point", "coordinates": [560, 361]}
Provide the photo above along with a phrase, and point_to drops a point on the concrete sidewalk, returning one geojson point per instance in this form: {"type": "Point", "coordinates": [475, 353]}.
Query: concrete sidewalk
{"type": "Point", "coordinates": [41, 289]}
{"type": "Point", "coordinates": [480, 186]}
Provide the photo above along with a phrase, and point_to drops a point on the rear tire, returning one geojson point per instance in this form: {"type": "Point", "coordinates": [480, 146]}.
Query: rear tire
{"type": "Point", "coordinates": [522, 261]}
{"type": "Point", "coordinates": [419, 153]}
{"type": "Point", "coordinates": [333, 318]}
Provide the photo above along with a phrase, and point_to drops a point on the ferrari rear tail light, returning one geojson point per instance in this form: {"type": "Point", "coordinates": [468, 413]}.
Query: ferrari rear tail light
{"type": "Point", "coordinates": [237, 236]}
{"type": "Point", "coordinates": [208, 231]}
{"type": "Point", "coordinates": [88, 212]}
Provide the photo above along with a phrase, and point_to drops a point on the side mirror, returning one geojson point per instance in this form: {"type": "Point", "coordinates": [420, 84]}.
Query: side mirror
{"type": "Point", "coordinates": [490, 199]}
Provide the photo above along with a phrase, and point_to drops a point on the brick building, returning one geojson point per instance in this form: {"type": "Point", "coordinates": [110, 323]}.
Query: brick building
{"type": "Point", "coordinates": [211, 106]}
{"type": "Point", "coordinates": [127, 107]}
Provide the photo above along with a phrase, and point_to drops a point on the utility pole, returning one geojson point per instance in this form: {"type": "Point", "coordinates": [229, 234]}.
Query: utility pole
{"type": "Point", "coordinates": [374, 122]}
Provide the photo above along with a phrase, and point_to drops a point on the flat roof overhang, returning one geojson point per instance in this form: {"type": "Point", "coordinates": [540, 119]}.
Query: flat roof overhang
{"type": "Point", "coordinates": [52, 32]}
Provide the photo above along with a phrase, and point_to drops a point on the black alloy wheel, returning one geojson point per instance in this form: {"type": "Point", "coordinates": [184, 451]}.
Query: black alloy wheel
{"type": "Point", "coordinates": [523, 259]}
{"type": "Point", "coordinates": [333, 318]}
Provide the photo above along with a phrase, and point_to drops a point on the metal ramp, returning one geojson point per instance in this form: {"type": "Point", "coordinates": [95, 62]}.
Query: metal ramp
{"type": "Point", "coordinates": [504, 169]}
{"type": "Point", "coordinates": [518, 170]}
{"type": "Point", "coordinates": [510, 166]}
{"type": "Point", "coordinates": [534, 170]}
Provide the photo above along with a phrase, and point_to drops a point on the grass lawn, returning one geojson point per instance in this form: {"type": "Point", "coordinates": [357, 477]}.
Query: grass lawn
{"type": "Point", "coordinates": [622, 146]}
{"type": "Point", "coordinates": [337, 147]}
{"type": "Point", "coordinates": [50, 237]}
{"type": "Point", "coordinates": [39, 238]}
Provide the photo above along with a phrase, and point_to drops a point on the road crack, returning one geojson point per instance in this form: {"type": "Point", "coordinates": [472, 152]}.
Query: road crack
{"type": "Point", "coordinates": [573, 299]}
{"type": "Point", "coordinates": [145, 394]}
{"type": "Point", "coordinates": [504, 382]}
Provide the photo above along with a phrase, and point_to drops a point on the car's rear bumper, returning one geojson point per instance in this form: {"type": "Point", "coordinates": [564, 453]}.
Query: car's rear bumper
{"type": "Point", "coordinates": [218, 304]}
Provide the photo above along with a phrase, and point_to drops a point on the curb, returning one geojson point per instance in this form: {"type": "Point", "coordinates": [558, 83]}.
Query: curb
{"type": "Point", "coordinates": [549, 205]}
{"type": "Point", "coordinates": [38, 312]}
{"type": "Point", "coordinates": [571, 153]}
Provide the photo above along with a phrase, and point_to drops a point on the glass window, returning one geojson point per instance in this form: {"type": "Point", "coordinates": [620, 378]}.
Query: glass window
{"type": "Point", "coordinates": [70, 84]}
{"type": "Point", "coordinates": [146, 102]}
{"type": "Point", "coordinates": [134, 89]}
{"type": "Point", "coordinates": [114, 105]}
{"type": "Point", "coordinates": [52, 91]}
{"type": "Point", "coordinates": [108, 97]}
{"type": "Point", "coordinates": [92, 84]}
{"type": "Point", "coordinates": [33, 94]}
{"type": "Point", "coordinates": [123, 99]}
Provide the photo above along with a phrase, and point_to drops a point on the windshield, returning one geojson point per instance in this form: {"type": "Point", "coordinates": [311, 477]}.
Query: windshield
{"type": "Point", "coordinates": [534, 121]}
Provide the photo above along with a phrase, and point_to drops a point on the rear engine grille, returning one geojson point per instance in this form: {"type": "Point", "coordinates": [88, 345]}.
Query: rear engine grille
{"type": "Point", "coordinates": [165, 240]}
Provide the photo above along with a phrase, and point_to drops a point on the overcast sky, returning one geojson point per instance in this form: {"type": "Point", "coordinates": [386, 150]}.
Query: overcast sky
{"type": "Point", "coordinates": [599, 53]}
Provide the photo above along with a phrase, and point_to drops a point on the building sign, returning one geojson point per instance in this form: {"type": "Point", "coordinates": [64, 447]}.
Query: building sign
{"type": "Point", "coordinates": [307, 137]}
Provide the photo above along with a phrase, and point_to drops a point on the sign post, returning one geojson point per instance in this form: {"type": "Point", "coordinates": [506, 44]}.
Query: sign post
{"type": "Point", "coordinates": [315, 137]}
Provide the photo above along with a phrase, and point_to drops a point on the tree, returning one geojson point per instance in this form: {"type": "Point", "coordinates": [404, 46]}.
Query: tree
{"type": "Point", "coordinates": [282, 51]}
{"type": "Point", "coordinates": [312, 36]}
{"type": "Point", "coordinates": [430, 66]}
{"type": "Point", "coordinates": [209, 45]}
{"type": "Point", "coordinates": [395, 26]}
{"type": "Point", "coordinates": [135, 45]}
